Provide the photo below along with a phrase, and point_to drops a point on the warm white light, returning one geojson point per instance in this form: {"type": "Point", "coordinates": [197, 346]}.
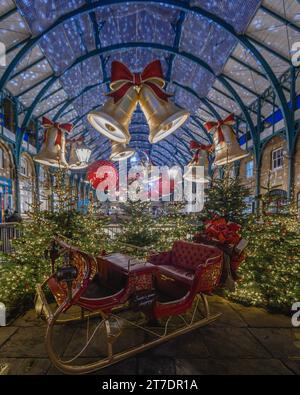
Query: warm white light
{"type": "Point", "coordinates": [83, 154]}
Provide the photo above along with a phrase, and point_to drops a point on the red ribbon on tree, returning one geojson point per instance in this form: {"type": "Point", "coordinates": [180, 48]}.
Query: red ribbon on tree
{"type": "Point", "coordinates": [61, 128]}
{"type": "Point", "coordinates": [124, 79]}
{"type": "Point", "coordinates": [227, 121]}
{"type": "Point", "coordinates": [194, 146]}
{"type": "Point", "coordinates": [224, 232]}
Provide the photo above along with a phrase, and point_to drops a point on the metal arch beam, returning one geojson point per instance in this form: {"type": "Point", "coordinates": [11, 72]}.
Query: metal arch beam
{"type": "Point", "coordinates": [8, 13]}
{"type": "Point", "coordinates": [280, 18]}
{"type": "Point", "coordinates": [191, 57]}
{"type": "Point", "coordinates": [243, 39]}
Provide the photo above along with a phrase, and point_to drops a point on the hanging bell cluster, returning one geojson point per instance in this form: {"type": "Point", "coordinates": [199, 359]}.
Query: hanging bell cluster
{"type": "Point", "coordinates": [129, 89]}
{"type": "Point", "coordinates": [200, 160]}
{"type": "Point", "coordinates": [227, 148]}
{"type": "Point", "coordinates": [53, 151]}
{"type": "Point", "coordinates": [120, 151]}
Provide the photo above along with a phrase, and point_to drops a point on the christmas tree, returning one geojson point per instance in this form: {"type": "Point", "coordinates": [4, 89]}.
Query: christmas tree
{"type": "Point", "coordinates": [226, 198]}
{"type": "Point", "coordinates": [270, 276]}
{"type": "Point", "coordinates": [138, 227]}
{"type": "Point", "coordinates": [176, 225]}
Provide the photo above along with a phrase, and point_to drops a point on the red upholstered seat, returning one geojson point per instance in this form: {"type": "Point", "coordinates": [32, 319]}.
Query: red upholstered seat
{"type": "Point", "coordinates": [191, 255]}
{"type": "Point", "coordinates": [178, 273]}
{"type": "Point", "coordinates": [190, 262]}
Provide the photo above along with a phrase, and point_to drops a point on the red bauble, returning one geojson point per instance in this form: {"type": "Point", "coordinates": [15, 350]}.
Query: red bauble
{"type": "Point", "coordinates": [163, 188]}
{"type": "Point", "coordinates": [102, 171]}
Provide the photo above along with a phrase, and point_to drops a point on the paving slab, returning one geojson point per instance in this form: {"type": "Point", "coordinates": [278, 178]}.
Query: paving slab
{"type": "Point", "coordinates": [156, 366]}
{"type": "Point", "coordinates": [235, 366]}
{"type": "Point", "coordinates": [29, 319]}
{"type": "Point", "coordinates": [29, 342]}
{"type": "Point", "coordinates": [280, 342]}
{"type": "Point", "coordinates": [27, 366]}
{"type": "Point", "coordinates": [260, 318]}
{"type": "Point", "coordinates": [232, 343]}
{"type": "Point", "coordinates": [293, 364]}
{"type": "Point", "coordinates": [190, 344]}
{"type": "Point", "coordinates": [6, 332]}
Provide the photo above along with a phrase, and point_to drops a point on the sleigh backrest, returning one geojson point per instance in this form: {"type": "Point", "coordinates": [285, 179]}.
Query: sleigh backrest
{"type": "Point", "coordinates": [191, 255]}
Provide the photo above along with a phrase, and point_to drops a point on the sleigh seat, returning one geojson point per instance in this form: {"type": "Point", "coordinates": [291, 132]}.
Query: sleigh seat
{"type": "Point", "coordinates": [187, 263]}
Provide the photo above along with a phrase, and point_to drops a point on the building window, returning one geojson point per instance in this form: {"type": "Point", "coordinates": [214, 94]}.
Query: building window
{"type": "Point", "coordinates": [1, 158]}
{"type": "Point", "coordinates": [249, 169]}
{"type": "Point", "coordinates": [277, 203]}
{"type": "Point", "coordinates": [277, 159]}
{"type": "Point", "coordinates": [24, 167]}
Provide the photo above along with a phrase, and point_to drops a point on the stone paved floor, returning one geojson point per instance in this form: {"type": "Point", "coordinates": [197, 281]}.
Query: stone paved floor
{"type": "Point", "coordinates": [243, 341]}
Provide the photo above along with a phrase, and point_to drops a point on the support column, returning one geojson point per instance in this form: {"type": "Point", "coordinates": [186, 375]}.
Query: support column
{"type": "Point", "coordinates": [291, 138]}
{"type": "Point", "coordinates": [258, 155]}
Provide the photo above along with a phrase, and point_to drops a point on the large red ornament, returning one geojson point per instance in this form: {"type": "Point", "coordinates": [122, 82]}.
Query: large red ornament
{"type": "Point", "coordinates": [101, 171]}
{"type": "Point", "coordinates": [163, 187]}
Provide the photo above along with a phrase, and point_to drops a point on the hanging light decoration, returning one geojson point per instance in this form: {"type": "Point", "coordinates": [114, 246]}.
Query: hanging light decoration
{"type": "Point", "coordinates": [199, 160]}
{"type": "Point", "coordinates": [80, 155]}
{"type": "Point", "coordinates": [227, 147]}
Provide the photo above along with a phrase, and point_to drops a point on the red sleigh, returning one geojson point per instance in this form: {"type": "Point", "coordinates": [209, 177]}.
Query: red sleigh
{"type": "Point", "coordinates": [160, 298]}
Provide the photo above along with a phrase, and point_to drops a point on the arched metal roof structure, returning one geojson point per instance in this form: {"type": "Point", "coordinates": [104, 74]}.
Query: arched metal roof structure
{"type": "Point", "coordinates": [218, 58]}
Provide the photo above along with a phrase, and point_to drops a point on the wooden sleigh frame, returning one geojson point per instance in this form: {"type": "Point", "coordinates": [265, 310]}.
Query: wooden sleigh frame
{"type": "Point", "coordinates": [191, 311]}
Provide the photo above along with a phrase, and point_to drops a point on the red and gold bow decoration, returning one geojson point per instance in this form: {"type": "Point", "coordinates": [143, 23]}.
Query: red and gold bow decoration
{"type": "Point", "coordinates": [61, 128]}
{"type": "Point", "coordinates": [123, 79]}
{"type": "Point", "coordinates": [194, 146]}
{"type": "Point", "coordinates": [225, 232]}
{"type": "Point", "coordinates": [227, 121]}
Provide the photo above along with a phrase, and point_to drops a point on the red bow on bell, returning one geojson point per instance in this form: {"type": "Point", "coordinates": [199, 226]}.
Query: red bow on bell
{"type": "Point", "coordinates": [197, 146]}
{"type": "Point", "coordinates": [151, 76]}
{"type": "Point", "coordinates": [194, 146]}
{"type": "Point", "coordinates": [227, 121]}
{"type": "Point", "coordinates": [61, 127]}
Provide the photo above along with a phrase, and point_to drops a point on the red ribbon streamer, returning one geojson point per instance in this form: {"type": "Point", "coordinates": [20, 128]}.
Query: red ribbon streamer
{"type": "Point", "coordinates": [227, 121]}
{"type": "Point", "coordinates": [151, 76]}
{"type": "Point", "coordinates": [61, 127]}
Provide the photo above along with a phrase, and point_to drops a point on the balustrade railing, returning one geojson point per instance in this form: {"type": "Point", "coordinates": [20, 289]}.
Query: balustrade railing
{"type": "Point", "coordinates": [10, 231]}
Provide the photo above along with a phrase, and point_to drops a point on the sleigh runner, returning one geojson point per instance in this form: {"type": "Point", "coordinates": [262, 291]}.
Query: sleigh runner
{"type": "Point", "coordinates": [159, 299]}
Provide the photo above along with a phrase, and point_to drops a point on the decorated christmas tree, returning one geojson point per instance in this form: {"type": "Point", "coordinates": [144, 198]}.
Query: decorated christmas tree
{"type": "Point", "coordinates": [176, 225]}
{"type": "Point", "coordinates": [226, 198]}
{"type": "Point", "coordinates": [138, 226]}
{"type": "Point", "coordinates": [270, 276]}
